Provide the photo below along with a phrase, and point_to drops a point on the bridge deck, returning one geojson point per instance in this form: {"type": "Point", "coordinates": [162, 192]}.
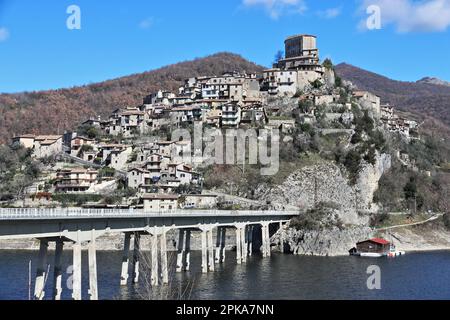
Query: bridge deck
{"type": "Point", "coordinates": [38, 223]}
{"type": "Point", "coordinates": [63, 213]}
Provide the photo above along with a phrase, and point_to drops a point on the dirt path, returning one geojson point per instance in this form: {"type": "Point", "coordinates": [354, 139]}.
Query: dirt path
{"type": "Point", "coordinates": [433, 218]}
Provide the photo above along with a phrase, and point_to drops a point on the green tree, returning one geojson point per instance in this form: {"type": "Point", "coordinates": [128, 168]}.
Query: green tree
{"type": "Point", "coordinates": [279, 56]}
{"type": "Point", "coordinates": [328, 64]}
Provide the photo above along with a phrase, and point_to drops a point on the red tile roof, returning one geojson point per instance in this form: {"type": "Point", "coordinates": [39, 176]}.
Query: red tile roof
{"type": "Point", "coordinates": [379, 241]}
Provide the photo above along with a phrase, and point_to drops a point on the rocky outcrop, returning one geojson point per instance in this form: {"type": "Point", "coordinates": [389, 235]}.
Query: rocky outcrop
{"type": "Point", "coordinates": [368, 179]}
{"type": "Point", "coordinates": [329, 242]}
{"type": "Point", "coordinates": [329, 77]}
{"type": "Point", "coordinates": [327, 183]}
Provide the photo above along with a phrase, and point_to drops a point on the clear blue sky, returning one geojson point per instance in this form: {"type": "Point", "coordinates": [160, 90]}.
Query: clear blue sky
{"type": "Point", "coordinates": [119, 37]}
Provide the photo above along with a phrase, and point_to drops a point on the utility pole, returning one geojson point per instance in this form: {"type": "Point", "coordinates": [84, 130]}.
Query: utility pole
{"type": "Point", "coordinates": [415, 204]}
{"type": "Point", "coordinates": [315, 191]}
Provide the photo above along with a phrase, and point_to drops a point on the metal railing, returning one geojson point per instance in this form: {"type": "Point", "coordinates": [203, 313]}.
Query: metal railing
{"type": "Point", "coordinates": [64, 213]}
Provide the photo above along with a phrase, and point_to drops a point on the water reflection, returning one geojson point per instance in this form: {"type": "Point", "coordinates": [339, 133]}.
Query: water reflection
{"type": "Point", "coordinates": [414, 276]}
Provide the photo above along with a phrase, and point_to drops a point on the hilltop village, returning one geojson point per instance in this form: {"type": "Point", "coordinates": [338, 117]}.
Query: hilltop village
{"type": "Point", "coordinates": [129, 160]}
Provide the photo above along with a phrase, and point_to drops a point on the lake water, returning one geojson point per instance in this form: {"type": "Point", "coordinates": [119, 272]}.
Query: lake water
{"type": "Point", "coordinates": [414, 276]}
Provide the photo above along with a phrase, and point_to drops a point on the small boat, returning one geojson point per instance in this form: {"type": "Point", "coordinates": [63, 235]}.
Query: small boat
{"type": "Point", "coordinates": [393, 252]}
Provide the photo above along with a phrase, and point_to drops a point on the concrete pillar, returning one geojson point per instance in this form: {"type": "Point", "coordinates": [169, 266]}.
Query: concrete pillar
{"type": "Point", "coordinates": [281, 237]}
{"type": "Point", "coordinates": [250, 240]}
{"type": "Point", "coordinates": [204, 252]}
{"type": "Point", "coordinates": [155, 273]}
{"type": "Point", "coordinates": [136, 257]}
{"type": "Point", "coordinates": [265, 240]}
{"type": "Point", "coordinates": [76, 285]}
{"type": "Point", "coordinates": [164, 262]}
{"type": "Point", "coordinates": [180, 250]}
{"type": "Point", "coordinates": [187, 251]}
{"type": "Point", "coordinates": [92, 255]}
{"type": "Point", "coordinates": [211, 261]}
{"type": "Point", "coordinates": [223, 244]}
{"type": "Point", "coordinates": [57, 274]}
{"type": "Point", "coordinates": [41, 271]}
{"type": "Point", "coordinates": [238, 245]}
{"type": "Point", "coordinates": [218, 244]}
{"type": "Point", "coordinates": [244, 249]}
{"type": "Point", "coordinates": [125, 260]}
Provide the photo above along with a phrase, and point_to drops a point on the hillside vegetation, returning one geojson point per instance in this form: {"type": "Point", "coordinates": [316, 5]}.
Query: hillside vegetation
{"type": "Point", "coordinates": [424, 98]}
{"type": "Point", "coordinates": [54, 111]}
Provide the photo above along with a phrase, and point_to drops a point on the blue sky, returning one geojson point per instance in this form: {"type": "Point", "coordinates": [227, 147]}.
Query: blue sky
{"type": "Point", "coordinates": [117, 38]}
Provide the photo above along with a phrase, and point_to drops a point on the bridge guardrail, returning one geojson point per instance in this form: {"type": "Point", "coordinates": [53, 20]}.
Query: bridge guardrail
{"type": "Point", "coordinates": [55, 213]}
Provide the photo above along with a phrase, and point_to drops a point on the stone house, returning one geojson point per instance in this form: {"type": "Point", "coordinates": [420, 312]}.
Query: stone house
{"type": "Point", "coordinates": [77, 143]}
{"type": "Point", "coordinates": [76, 180]}
{"type": "Point", "coordinates": [26, 140]}
{"type": "Point", "coordinates": [199, 201]}
{"type": "Point", "coordinates": [46, 146]}
{"type": "Point", "coordinates": [160, 202]}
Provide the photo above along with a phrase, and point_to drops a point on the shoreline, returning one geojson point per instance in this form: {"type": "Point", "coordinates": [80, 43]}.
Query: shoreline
{"type": "Point", "coordinates": [409, 251]}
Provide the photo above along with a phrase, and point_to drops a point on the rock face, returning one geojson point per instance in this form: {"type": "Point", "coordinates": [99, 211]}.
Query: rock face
{"type": "Point", "coordinates": [331, 242]}
{"type": "Point", "coordinates": [368, 180]}
{"type": "Point", "coordinates": [327, 183]}
{"type": "Point", "coordinates": [329, 78]}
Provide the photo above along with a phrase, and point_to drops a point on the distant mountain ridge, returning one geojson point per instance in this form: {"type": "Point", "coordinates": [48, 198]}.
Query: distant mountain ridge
{"type": "Point", "coordinates": [430, 80]}
{"type": "Point", "coordinates": [54, 111]}
{"type": "Point", "coordinates": [428, 99]}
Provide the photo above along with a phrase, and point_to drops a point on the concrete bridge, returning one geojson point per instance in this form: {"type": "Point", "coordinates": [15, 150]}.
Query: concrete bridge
{"type": "Point", "coordinates": [82, 227]}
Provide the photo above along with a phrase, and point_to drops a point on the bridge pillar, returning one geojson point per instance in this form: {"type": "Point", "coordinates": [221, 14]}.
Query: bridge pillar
{"type": "Point", "coordinates": [76, 285]}
{"type": "Point", "coordinates": [220, 244]}
{"type": "Point", "coordinates": [180, 249]}
{"type": "Point", "coordinates": [265, 240]}
{"type": "Point", "coordinates": [204, 251]}
{"type": "Point", "coordinates": [57, 274]}
{"type": "Point", "coordinates": [155, 273]}
{"type": "Point", "coordinates": [164, 262]}
{"type": "Point", "coordinates": [92, 256]}
{"type": "Point", "coordinates": [125, 260]}
{"type": "Point", "coordinates": [223, 244]}
{"type": "Point", "coordinates": [136, 256]}
{"type": "Point", "coordinates": [41, 272]}
{"type": "Point", "coordinates": [244, 248]}
{"type": "Point", "coordinates": [269, 251]}
{"type": "Point", "coordinates": [250, 240]}
{"type": "Point", "coordinates": [281, 237]}
{"type": "Point", "coordinates": [238, 245]}
{"type": "Point", "coordinates": [211, 261]}
{"type": "Point", "coordinates": [187, 256]}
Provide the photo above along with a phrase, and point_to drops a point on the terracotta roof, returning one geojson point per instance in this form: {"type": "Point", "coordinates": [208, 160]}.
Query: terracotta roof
{"type": "Point", "coordinates": [378, 241]}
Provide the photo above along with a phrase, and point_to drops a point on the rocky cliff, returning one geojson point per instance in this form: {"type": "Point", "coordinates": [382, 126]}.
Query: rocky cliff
{"type": "Point", "coordinates": [328, 183]}
{"type": "Point", "coordinates": [330, 242]}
